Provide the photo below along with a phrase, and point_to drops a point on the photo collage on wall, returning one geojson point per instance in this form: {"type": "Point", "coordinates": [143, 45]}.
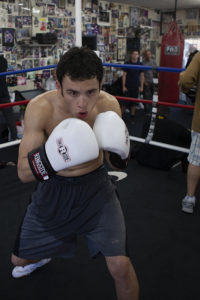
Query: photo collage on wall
{"type": "Point", "coordinates": [105, 27]}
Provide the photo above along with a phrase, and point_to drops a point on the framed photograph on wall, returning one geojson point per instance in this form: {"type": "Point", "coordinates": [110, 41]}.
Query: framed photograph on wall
{"type": "Point", "coordinates": [166, 20]}
{"type": "Point", "coordinates": [61, 4]}
{"type": "Point", "coordinates": [191, 13]}
{"type": "Point", "coordinates": [121, 49]}
{"type": "Point", "coordinates": [134, 16]}
{"type": "Point", "coordinates": [8, 36]}
{"type": "Point", "coordinates": [104, 18]}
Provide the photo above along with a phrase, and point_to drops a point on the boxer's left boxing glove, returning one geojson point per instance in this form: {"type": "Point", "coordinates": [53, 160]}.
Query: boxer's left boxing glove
{"type": "Point", "coordinates": [72, 142]}
{"type": "Point", "coordinates": [112, 135]}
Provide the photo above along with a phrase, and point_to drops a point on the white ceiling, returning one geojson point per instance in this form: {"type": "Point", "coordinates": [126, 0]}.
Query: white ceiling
{"type": "Point", "coordinates": [162, 4]}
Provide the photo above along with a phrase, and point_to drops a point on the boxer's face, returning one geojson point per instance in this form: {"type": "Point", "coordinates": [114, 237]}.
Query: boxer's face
{"type": "Point", "coordinates": [79, 97]}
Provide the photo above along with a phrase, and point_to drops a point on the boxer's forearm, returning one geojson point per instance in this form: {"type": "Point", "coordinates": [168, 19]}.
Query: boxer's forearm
{"type": "Point", "coordinates": [24, 171]}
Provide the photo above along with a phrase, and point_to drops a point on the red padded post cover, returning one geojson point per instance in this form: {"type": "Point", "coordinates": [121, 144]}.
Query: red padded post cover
{"type": "Point", "coordinates": [171, 56]}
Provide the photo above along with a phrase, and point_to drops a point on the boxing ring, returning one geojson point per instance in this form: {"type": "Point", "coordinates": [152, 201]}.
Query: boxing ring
{"type": "Point", "coordinates": [155, 104]}
{"type": "Point", "coordinates": [164, 243]}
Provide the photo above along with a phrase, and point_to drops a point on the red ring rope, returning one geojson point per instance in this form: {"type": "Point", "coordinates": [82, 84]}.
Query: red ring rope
{"type": "Point", "coordinates": [118, 97]}
{"type": "Point", "coordinates": [158, 103]}
{"type": "Point", "coordinates": [14, 103]}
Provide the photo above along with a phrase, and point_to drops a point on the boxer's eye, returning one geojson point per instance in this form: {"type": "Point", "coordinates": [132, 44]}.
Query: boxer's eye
{"type": "Point", "coordinates": [73, 93]}
{"type": "Point", "coordinates": [91, 92]}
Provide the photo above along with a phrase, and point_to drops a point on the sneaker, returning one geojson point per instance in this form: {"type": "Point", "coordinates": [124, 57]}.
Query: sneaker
{"type": "Point", "coordinates": [141, 105]}
{"type": "Point", "coordinates": [188, 204]}
{"type": "Point", "coordinates": [18, 272]}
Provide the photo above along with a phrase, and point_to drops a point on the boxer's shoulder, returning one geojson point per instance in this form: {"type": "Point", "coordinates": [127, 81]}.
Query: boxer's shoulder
{"type": "Point", "coordinates": [43, 103]}
{"type": "Point", "coordinates": [108, 102]}
{"type": "Point", "coordinates": [104, 96]}
{"type": "Point", "coordinates": [39, 111]}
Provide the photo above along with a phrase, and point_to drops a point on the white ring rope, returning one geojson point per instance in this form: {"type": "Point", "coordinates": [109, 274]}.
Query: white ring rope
{"type": "Point", "coordinates": [132, 138]}
{"type": "Point", "coordinates": [8, 144]}
{"type": "Point", "coordinates": [158, 144]}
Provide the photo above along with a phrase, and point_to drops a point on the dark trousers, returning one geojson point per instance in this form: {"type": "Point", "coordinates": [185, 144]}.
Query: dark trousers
{"type": "Point", "coordinates": [9, 117]}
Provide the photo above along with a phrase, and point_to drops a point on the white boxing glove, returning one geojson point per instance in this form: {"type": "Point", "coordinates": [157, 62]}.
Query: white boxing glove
{"type": "Point", "coordinates": [112, 135]}
{"type": "Point", "coordinates": [72, 142]}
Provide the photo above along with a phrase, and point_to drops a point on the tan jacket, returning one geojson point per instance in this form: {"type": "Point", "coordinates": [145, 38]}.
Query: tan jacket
{"type": "Point", "coordinates": [187, 80]}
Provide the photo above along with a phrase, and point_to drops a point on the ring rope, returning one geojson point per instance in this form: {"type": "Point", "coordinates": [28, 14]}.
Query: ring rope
{"type": "Point", "coordinates": [27, 70]}
{"type": "Point", "coordinates": [132, 138]}
{"type": "Point", "coordinates": [128, 66]}
{"type": "Point", "coordinates": [159, 144]}
{"type": "Point", "coordinates": [9, 144]}
{"type": "Point", "coordinates": [148, 138]}
{"type": "Point", "coordinates": [4, 105]}
{"type": "Point", "coordinates": [169, 104]}
{"type": "Point", "coordinates": [143, 67]}
{"type": "Point", "coordinates": [154, 107]}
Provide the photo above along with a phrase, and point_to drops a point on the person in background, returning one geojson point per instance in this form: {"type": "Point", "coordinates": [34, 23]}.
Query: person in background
{"type": "Point", "coordinates": [192, 52]}
{"type": "Point", "coordinates": [187, 80]}
{"type": "Point", "coordinates": [50, 84]}
{"type": "Point", "coordinates": [5, 98]}
{"type": "Point", "coordinates": [148, 89]}
{"type": "Point", "coordinates": [191, 94]}
{"type": "Point", "coordinates": [132, 83]}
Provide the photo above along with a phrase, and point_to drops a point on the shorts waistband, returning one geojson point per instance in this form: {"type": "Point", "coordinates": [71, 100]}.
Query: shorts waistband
{"type": "Point", "coordinates": [92, 175]}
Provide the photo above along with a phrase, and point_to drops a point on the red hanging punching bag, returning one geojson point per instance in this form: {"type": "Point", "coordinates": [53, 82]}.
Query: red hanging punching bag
{"type": "Point", "coordinates": [171, 56]}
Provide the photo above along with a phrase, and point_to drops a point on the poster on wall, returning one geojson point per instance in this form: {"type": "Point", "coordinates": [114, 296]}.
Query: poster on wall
{"type": "Point", "coordinates": [18, 22]}
{"type": "Point", "coordinates": [134, 16]}
{"type": "Point", "coordinates": [51, 9]}
{"type": "Point", "coordinates": [43, 24]}
{"type": "Point", "coordinates": [22, 34]}
{"type": "Point", "coordinates": [61, 4]}
{"type": "Point", "coordinates": [8, 35]}
{"type": "Point", "coordinates": [191, 13]}
{"type": "Point", "coordinates": [121, 49]}
{"type": "Point", "coordinates": [27, 20]}
{"type": "Point", "coordinates": [10, 21]}
{"type": "Point", "coordinates": [94, 4]}
{"type": "Point", "coordinates": [166, 20]}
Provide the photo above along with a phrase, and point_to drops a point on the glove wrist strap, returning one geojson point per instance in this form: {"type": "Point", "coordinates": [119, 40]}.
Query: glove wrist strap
{"type": "Point", "coordinates": [40, 164]}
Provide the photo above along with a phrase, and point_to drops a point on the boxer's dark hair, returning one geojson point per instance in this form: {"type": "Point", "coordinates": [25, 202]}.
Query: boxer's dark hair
{"type": "Point", "coordinates": [79, 64]}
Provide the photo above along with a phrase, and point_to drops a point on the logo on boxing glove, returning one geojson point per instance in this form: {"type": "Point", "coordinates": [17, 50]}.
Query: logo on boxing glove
{"type": "Point", "coordinates": [62, 150]}
{"type": "Point", "coordinates": [38, 164]}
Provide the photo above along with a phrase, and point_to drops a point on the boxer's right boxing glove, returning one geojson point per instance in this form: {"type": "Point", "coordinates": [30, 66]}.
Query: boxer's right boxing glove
{"type": "Point", "coordinates": [72, 142]}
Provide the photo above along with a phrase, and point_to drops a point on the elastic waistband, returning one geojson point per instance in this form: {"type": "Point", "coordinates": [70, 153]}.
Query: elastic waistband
{"type": "Point", "coordinates": [92, 175]}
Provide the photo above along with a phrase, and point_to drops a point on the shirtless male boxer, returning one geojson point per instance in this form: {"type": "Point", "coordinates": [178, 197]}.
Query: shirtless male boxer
{"type": "Point", "coordinates": [65, 134]}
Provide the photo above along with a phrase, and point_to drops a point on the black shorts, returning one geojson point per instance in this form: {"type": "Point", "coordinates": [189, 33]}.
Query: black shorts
{"type": "Point", "coordinates": [63, 208]}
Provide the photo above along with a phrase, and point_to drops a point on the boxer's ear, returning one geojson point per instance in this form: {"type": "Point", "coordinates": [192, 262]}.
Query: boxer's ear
{"type": "Point", "coordinates": [59, 87]}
